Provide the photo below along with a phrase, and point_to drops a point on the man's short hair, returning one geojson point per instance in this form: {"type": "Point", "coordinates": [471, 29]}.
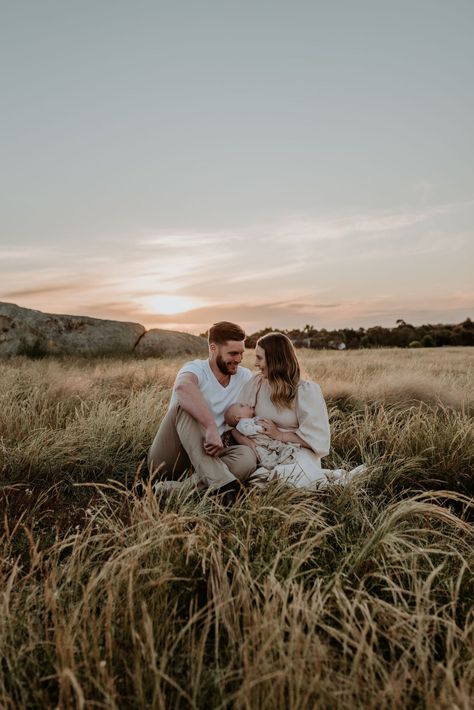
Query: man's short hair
{"type": "Point", "coordinates": [221, 332]}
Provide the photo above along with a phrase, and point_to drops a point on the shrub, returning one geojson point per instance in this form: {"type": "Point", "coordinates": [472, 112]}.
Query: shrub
{"type": "Point", "coordinates": [427, 341]}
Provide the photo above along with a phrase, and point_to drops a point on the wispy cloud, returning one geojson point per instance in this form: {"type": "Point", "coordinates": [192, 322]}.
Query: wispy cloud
{"type": "Point", "coordinates": [269, 274]}
{"type": "Point", "coordinates": [44, 290]}
{"type": "Point", "coordinates": [307, 307]}
{"type": "Point", "coordinates": [24, 253]}
{"type": "Point", "coordinates": [172, 242]}
{"type": "Point", "coordinates": [327, 268]}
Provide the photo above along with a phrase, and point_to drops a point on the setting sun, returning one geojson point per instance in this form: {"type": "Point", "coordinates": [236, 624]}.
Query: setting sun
{"type": "Point", "coordinates": [169, 304]}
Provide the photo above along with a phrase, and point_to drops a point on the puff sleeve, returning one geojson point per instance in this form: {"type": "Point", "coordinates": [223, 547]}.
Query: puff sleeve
{"type": "Point", "coordinates": [312, 414]}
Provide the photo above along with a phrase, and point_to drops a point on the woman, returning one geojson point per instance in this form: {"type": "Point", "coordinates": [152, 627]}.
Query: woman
{"type": "Point", "coordinates": [290, 410]}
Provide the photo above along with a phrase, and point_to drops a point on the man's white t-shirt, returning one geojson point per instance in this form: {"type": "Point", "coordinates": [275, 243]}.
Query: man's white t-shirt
{"type": "Point", "coordinates": [217, 397]}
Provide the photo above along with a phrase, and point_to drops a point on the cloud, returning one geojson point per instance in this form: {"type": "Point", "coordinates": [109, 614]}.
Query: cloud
{"type": "Point", "coordinates": [44, 290]}
{"type": "Point", "coordinates": [254, 274]}
{"type": "Point", "coordinates": [15, 253]}
{"type": "Point", "coordinates": [373, 221]}
{"type": "Point", "coordinates": [265, 252]}
{"type": "Point", "coordinates": [277, 314]}
{"type": "Point", "coordinates": [310, 306]}
{"type": "Point", "coordinates": [171, 242]}
{"type": "Point", "coordinates": [321, 268]}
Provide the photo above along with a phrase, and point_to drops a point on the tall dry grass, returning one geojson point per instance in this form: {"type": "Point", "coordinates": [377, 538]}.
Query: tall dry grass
{"type": "Point", "coordinates": [399, 411]}
{"type": "Point", "coordinates": [357, 596]}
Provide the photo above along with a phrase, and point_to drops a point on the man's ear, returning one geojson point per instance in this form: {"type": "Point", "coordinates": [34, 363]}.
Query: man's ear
{"type": "Point", "coordinates": [212, 347]}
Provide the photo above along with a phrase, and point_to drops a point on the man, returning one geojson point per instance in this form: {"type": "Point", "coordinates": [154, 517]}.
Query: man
{"type": "Point", "coordinates": [190, 433]}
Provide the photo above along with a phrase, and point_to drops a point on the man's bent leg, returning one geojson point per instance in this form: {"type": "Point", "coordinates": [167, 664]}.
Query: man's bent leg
{"type": "Point", "coordinates": [166, 454]}
{"type": "Point", "coordinates": [240, 460]}
{"type": "Point", "coordinates": [212, 471]}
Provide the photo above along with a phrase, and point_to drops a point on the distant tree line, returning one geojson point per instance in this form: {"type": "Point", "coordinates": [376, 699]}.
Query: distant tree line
{"type": "Point", "coordinates": [403, 335]}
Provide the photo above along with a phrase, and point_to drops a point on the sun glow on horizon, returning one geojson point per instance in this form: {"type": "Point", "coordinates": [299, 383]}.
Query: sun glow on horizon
{"type": "Point", "coordinates": [170, 304]}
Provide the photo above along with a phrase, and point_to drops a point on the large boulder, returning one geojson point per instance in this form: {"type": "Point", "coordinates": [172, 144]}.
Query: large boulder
{"type": "Point", "coordinates": [28, 332]}
{"type": "Point", "coordinates": [168, 343]}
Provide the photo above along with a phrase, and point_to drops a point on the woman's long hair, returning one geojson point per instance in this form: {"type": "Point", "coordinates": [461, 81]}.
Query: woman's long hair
{"type": "Point", "coordinates": [283, 368]}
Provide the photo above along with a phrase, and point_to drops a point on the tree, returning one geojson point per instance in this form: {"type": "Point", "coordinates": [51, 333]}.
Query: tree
{"type": "Point", "coordinates": [427, 341]}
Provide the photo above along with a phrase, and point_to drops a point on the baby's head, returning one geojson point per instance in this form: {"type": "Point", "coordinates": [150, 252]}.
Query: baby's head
{"type": "Point", "coordinates": [236, 412]}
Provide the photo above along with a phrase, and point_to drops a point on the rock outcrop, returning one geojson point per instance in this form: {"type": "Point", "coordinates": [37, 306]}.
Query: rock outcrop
{"type": "Point", "coordinates": [167, 343]}
{"type": "Point", "coordinates": [24, 331]}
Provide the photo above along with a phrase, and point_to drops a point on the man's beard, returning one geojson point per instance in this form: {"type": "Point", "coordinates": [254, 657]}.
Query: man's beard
{"type": "Point", "coordinates": [222, 366]}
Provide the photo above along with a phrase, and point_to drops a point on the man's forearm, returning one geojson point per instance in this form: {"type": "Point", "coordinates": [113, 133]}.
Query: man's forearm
{"type": "Point", "coordinates": [191, 400]}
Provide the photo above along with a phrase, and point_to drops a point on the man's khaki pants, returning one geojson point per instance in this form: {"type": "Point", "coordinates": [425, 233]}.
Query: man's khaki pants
{"type": "Point", "coordinates": [178, 446]}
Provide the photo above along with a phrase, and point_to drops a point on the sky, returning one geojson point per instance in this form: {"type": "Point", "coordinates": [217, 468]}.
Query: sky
{"type": "Point", "coordinates": [274, 163]}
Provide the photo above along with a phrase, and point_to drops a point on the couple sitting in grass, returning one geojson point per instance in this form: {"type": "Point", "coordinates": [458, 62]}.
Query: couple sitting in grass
{"type": "Point", "coordinates": [225, 426]}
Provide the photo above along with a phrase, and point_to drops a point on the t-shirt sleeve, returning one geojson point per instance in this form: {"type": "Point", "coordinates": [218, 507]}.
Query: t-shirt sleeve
{"type": "Point", "coordinates": [194, 367]}
{"type": "Point", "coordinates": [312, 414]}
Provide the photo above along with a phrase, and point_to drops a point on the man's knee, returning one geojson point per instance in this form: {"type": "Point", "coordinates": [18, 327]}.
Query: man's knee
{"type": "Point", "coordinates": [167, 457]}
{"type": "Point", "coordinates": [186, 424]}
{"type": "Point", "coordinates": [242, 462]}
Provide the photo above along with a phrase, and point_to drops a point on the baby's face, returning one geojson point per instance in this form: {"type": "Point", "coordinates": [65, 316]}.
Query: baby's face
{"type": "Point", "coordinates": [238, 411]}
{"type": "Point", "coordinates": [245, 411]}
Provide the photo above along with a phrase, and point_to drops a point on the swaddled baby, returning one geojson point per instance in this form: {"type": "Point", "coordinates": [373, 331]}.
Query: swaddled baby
{"type": "Point", "coordinates": [241, 417]}
{"type": "Point", "coordinates": [270, 452]}
{"type": "Point", "coordinates": [276, 458]}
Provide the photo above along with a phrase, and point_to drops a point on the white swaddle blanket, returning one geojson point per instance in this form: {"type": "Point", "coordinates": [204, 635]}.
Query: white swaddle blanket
{"type": "Point", "coordinates": [270, 452]}
{"type": "Point", "coordinates": [280, 460]}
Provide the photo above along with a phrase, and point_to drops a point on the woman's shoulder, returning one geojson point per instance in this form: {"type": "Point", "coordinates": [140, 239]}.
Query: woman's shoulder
{"type": "Point", "coordinates": [307, 385]}
{"type": "Point", "coordinates": [308, 388]}
{"type": "Point", "coordinates": [252, 386]}
{"type": "Point", "coordinates": [255, 379]}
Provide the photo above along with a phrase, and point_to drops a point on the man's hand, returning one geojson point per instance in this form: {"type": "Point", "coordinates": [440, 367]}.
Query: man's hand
{"type": "Point", "coordinates": [212, 441]}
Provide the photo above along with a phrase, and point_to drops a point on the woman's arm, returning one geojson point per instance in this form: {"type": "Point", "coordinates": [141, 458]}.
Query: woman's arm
{"type": "Point", "coordinates": [312, 415]}
{"type": "Point", "coordinates": [288, 437]}
{"type": "Point", "coordinates": [313, 424]}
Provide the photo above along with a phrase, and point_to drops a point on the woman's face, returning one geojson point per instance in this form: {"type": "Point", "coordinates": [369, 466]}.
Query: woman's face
{"type": "Point", "coordinates": [260, 362]}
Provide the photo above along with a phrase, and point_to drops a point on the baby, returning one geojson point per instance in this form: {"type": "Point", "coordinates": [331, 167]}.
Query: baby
{"type": "Point", "coordinates": [270, 452]}
{"type": "Point", "coordinates": [277, 458]}
{"type": "Point", "coordinates": [241, 417]}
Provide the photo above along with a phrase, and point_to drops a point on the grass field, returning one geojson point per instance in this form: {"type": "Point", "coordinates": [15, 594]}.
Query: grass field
{"type": "Point", "coordinates": [357, 596]}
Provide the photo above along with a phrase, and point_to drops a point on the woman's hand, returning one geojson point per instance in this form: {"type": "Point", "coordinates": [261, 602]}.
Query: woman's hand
{"type": "Point", "coordinates": [271, 430]}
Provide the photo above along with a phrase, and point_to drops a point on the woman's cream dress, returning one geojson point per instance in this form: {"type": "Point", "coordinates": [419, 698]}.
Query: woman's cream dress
{"type": "Point", "coordinates": [308, 417]}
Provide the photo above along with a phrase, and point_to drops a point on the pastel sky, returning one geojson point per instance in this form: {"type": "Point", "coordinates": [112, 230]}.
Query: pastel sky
{"type": "Point", "coordinates": [268, 162]}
